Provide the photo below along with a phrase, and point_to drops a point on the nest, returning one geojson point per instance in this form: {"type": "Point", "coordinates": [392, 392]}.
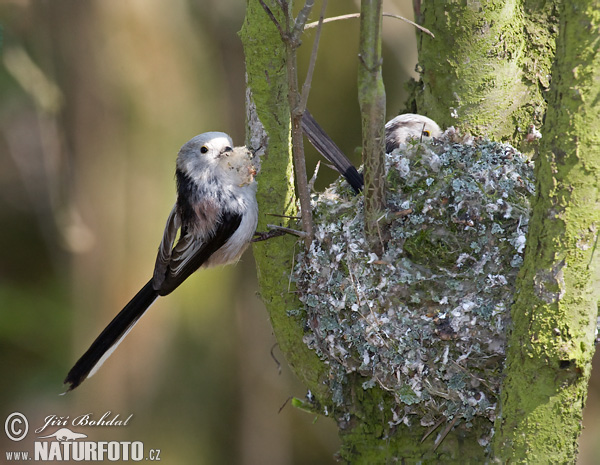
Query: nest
{"type": "Point", "coordinates": [427, 319]}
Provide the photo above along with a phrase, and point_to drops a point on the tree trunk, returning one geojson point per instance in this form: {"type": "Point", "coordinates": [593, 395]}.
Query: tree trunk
{"type": "Point", "coordinates": [269, 127]}
{"type": "Point", "coordinates": [371, 96]}
{"type": "Point", "coordinates": [488, 66]}
{"type": "Point", "coordinates": [554, 317]}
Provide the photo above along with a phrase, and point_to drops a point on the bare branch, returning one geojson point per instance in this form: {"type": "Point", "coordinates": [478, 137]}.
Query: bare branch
{"type": "Point", "coordinates": [311, 183]}
{"type": "Point", "coordinates": [272, 17]}
{"type": "Point", "coordinates": [357, 15]}
{"type": "Point", "coordinates": [285, 230]}
{"type": "Point", "coordinates": [313, 60]}
{"type": "Point", "coordinates": [296, 119]}
{"type": "Point", "coordinates": [285, 7]}
{"type": "Point", "coordinates": [301, 21]}
{"type": "Point", "coordinates": [371, 97]}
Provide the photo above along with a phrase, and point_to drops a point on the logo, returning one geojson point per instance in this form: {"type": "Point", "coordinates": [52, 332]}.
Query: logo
{"type": "Point", "coordinates": [16, 426]}
{"type": "Point", "coordinates": [64, 444]}
{"type": "Point", "coordinates": [64, 434]}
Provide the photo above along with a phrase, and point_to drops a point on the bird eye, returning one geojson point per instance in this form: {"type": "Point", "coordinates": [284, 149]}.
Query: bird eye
{"type": "Point", "coordinates": [426, 133]}
{"type": "Point", "coordinates": [203, 149]}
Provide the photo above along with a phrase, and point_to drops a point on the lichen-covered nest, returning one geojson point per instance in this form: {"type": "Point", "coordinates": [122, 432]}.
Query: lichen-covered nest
{"type": "Point", "coordinates": [427, 319]}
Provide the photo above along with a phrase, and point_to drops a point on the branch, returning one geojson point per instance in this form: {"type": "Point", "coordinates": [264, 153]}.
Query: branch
{"type": "Point", "coordinates": [371, 96]}
{"type": "Point", "coordinates": [273, 19]}
{"type": "Point", "coordinates": [269, 126]}
{"type": "Point", "coordinates": [301, 20]}
{"type": "Point", "coordinates": [313, 60]}
{"type": "Point", "coordinates": [296, 118]}
{"type": "Point", "coordinates": [357, 15]}
{"type": "Point", "coordinates": [291, 39]}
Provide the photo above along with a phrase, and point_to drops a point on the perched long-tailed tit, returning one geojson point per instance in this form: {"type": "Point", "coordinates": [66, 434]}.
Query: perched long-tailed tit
{"type": "Point", "coordinates": [215, 216]}
{"type": "Point", "coordinates": [397, 131]}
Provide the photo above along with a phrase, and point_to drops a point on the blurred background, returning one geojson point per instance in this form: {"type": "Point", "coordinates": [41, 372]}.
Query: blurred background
{"type": "Point", "coordinates": [96, 97]}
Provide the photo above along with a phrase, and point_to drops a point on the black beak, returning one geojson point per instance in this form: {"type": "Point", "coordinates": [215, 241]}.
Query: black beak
{"type": "Point", "coordinates": [225, 152]}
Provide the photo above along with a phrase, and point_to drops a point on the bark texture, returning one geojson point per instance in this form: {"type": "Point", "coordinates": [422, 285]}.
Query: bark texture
{"type": "Point", "coordinates": [371, 96]}
{"type": "Point", "coordinates": [488, 67]}
{"type": "Point", "coordinates": [554, 316]}
{"type": "Point", "coordinates": [269, 127]}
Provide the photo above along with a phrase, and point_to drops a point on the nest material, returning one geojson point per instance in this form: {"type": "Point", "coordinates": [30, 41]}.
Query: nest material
{"type": "Point", "coordinates": [427, 320]}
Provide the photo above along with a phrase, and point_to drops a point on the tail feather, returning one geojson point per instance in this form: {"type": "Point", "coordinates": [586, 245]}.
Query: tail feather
{"type": "Point", "coordinates": [327, 147]}
{"type": "Point", "coordinates": [111, 337]}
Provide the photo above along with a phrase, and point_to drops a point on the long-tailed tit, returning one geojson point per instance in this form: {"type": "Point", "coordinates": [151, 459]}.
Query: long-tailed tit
{"type": "Point", "coordinates": [215, 216]}
{"type": "Point", "coordinates": [397, 131]}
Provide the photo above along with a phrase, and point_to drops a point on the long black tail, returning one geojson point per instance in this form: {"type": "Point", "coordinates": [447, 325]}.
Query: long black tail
{"type": "Point", "coordinates": [326, 147]}
{"type": "Point", "coordinates": [109, 339]}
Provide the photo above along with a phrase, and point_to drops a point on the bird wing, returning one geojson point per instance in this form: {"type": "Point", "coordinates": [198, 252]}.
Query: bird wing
{"type": "Point", "coordinates": [165, 249]}
{"type": "Point", "coordinates": [392, 141]}
{"type": "Point", "coordinates": [190, 253]}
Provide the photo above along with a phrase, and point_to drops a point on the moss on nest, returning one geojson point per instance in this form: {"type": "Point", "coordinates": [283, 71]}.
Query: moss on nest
{"type": "Point", "coordinates": [427, 320]}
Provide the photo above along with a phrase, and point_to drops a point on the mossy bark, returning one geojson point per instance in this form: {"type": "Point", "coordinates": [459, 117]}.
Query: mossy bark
{"type": "Point", "coordinates": [269, 125]}
{"type": "Point", "coordinates": [487, 72]}
{"type": "Point", "coordinates": [370, 436]}
{"type": "Point", "coordinates": [488, 66]}
{"type": "Point", "coordinates": [371, 96]}
{"type": "Point", "coordinates": [554, 317]}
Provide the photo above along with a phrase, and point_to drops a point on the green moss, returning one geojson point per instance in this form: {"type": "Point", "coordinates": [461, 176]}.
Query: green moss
{"type": "Point", "coordinates": [551, 346]}
{"type": "Point", "coordinates": [433, 248]}
{"type": "Point", "coordinates": [267, 83]}
{"type": "Point", "coordinates": [491, 73]}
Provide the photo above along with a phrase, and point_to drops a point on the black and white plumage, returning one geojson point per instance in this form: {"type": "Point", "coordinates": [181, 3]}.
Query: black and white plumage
{"type": "Point", "coordinates": [321, 141]}
{"type": "Point", "coordinates": [215, 216]}
{"type": "Point", "coordinates": [397, 131]}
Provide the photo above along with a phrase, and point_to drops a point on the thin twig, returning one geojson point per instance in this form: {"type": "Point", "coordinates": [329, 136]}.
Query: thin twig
{"type": "Point", "coordinates": [285, 7]}
{"type": "Point", "coordinates": [301, 21]}
{"type": "Point", "coordinates": [290, 217]}
{"type": "Point", "coordinates": [273, 18]}
{"type": "Point", "coordinates": [291, 273]}
{"type": "Point", "coordinates": [283, 229]}
{"type": "Point", "coordinates": [275, 358]}
{"type": "Point", "coordinates": [444, 433]}
{"type": "Point", "coordinates": [313, 60]}
{"type": "Point", "coordinates": [291, 39]}
{"type": "Point", "coordinates": [285, 403]}
{"type": "Point", "coordinates": [311, 183]}
{"type": "Point", "coordinates": [357, 15]}
{"type": "Point", "coordinates": [296, 123]}
{"type": "Point", "coordinates": [264, 236]}
{"type": "Point", "coordinates": [433, 428]}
